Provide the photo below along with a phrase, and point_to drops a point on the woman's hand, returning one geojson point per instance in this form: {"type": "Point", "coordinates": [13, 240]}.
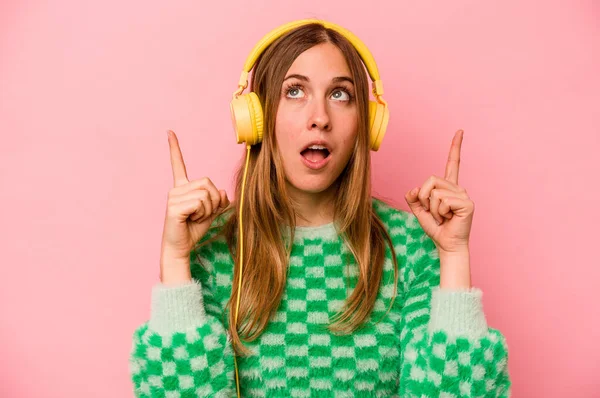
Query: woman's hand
{"type": "Point", "coordinates": [445, 212]}
{"type": "Point", "coordinates": [191, 208]}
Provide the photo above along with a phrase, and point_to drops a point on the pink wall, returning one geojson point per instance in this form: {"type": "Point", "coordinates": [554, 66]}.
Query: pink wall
{"type": "Point", "coordinates": [87, 92]}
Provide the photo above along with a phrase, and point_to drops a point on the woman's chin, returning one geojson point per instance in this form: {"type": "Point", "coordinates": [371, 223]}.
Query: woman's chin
{"type": "Point", "coordinates": [318, 185]}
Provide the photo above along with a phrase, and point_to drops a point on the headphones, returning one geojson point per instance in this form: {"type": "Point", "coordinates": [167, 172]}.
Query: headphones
{"type": "Point", "coordinates": [246, 110]}
{"type": "Point", "coordinates": [247, 114]}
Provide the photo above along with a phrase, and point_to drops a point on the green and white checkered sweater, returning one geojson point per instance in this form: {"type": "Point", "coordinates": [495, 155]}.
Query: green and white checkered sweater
{"type": "Point", "coordinates": [433, 343]}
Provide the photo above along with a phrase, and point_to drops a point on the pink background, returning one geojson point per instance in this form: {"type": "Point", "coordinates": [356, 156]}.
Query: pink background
{"type": "Point", "coordinates": [89, 88]}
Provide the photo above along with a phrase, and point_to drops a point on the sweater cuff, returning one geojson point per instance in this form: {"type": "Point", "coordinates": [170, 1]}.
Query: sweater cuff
{"type": "Point", "coordinates": [458, 312]}
{"type": "Point", "coordinates": [176, 308]}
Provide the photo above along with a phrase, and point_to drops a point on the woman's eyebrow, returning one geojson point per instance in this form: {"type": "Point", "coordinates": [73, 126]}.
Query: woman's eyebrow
{"type": "Point", "coordinates": [334, 80]}
{"type": "Point", "coordinates": [342, 79]}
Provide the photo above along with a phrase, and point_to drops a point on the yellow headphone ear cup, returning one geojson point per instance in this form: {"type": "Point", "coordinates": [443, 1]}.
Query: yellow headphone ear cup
{"type": "Point", "coordinates": [379, 117]}
{"type": "Point", "coordinates": [247, 118]}
{"type": "Point", "coordinates": [256, 109]}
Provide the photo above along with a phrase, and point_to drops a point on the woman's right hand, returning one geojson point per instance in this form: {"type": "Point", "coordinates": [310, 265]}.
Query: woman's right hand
{"type": "Point", "coordinates": [191, 208]}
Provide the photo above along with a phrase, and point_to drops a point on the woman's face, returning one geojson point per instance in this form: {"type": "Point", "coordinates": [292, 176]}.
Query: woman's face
{"type": "Point", "coordinates": [317, 106]}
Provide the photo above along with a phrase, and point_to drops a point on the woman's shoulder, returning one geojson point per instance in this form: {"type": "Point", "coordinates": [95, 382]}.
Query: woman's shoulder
{"type": "Point", "coordinates": [403, 227]}
{"type": "Point", "coordinates": [415, 250]}
{"type": "Point", "coordinates": [392, 216]}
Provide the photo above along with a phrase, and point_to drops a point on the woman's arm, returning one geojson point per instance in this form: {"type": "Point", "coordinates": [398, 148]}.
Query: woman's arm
{"type": "Point", "coordinates": [446, 344]}
{"type": "Point", "coordinates": [184, 347]}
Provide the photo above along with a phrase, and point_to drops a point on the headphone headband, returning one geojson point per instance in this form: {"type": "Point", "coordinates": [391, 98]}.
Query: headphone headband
{"type": "Point", "coordinates": [270, 37]}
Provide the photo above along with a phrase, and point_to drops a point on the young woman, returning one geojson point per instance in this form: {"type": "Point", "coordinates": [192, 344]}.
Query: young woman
{"type": "Point", "coordinates": [323, 290]}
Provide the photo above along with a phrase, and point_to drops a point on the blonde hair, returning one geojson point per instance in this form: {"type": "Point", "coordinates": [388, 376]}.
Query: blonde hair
{"type": "Point", "coordinates": [267, 205]}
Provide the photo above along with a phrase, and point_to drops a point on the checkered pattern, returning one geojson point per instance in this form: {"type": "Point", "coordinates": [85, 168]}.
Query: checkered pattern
{"type": "Point", "coordinates": [394, 354]}
{"type": "Point", "coordinates": [192, 363]}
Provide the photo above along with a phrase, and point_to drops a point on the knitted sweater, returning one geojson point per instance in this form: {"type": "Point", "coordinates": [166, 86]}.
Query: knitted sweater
{"type": "Point", "coordinates": [433, 343]}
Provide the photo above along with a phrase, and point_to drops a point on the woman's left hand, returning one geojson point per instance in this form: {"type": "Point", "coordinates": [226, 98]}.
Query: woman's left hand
{"type": "Point", "coordinates": [443, 208]}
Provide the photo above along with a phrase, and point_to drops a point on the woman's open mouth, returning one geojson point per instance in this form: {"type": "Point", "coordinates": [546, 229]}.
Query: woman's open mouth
{"type": "Point", "coordinates": [315, 157]}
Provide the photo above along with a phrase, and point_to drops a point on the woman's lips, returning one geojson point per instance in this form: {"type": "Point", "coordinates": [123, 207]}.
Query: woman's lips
{"type": "Point", "coordinates": [315, 165]}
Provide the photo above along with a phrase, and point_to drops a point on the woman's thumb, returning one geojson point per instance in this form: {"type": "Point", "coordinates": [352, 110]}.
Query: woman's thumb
{"type": "Point", "coordinates": [412, 198]}
{"type": "Point", "coordinates": [423, 216]}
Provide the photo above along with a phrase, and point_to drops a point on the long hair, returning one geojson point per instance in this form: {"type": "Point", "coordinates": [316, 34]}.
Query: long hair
{"type": "Point", "coordinates": [268, 206]}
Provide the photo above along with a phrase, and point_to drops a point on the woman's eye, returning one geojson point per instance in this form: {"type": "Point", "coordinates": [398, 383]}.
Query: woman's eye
{"type": "Point", "coordinates": [292, 91]}
{"type": "Point", "coordinates": [338, 95]}
{"type": "Point", "coordinates": [341, 98]}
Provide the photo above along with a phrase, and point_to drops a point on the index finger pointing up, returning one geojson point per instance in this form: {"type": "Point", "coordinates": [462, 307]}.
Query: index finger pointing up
{"type": "Point", "coordinates": [179, 172]}
{"type": "Point", "coordinates": [454, 158]}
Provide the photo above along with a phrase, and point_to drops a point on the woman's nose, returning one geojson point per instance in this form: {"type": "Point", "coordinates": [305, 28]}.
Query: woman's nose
{"type": "Point", "coordinates": [319, 116]}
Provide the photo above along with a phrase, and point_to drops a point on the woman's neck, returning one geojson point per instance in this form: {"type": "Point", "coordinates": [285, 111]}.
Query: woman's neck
{"type": "Point", "coordinates": [313, 209]}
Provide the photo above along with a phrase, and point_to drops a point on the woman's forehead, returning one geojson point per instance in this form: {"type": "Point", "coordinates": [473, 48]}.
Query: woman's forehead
{"type": "Point", "coordinates": [320, 64]}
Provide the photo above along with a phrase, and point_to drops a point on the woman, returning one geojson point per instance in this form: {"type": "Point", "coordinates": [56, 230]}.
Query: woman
{"type": "Point", "coordinates": [340, 293]}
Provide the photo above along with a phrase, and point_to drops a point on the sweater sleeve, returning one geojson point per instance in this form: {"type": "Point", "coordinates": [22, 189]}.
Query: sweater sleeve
{"type": "Point", "coordinates": [447, 348]}
{"type": "Point", "coordinates": [184, 349]}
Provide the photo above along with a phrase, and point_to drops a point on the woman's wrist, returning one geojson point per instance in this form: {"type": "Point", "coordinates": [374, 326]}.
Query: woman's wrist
{"type": "Point", "coordinates": [174, 271]}
{"type": "Point", "coordinates": [455, 270]}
